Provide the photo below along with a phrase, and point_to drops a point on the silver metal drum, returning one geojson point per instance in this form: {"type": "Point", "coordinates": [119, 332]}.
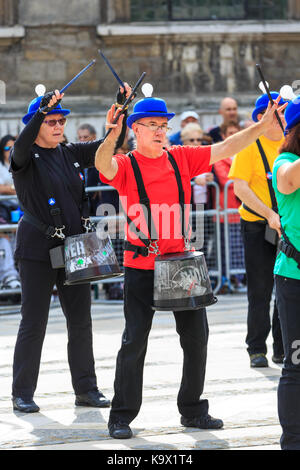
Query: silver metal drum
{"type": "Point", "coordinates": [89, 257]}
{"type": "Point", "coordinates": [181, 282]}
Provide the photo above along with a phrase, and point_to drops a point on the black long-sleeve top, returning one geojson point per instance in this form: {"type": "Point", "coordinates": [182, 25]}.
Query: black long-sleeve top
{"type": "Point", "coordinates": [31, 242]}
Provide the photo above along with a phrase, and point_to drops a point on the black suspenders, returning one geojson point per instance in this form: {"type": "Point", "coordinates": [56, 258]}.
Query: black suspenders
{"type": "Point", "coordinates": [151, 242]}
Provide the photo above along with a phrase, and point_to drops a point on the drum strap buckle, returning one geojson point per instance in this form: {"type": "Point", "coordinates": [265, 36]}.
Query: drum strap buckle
{"type": "Point", "coordinates": [59, 233]}
{"type": "Point", "coordinates": [153, 248]}
{"type": "Point", "coordinates": [87, 224]}
{"type": "Point", "coordinates": [187, 244]}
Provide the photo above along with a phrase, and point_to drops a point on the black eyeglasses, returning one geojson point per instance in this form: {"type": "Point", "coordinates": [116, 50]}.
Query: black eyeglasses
{"type": "Point", "coordinates": [53, 122]}
{"type": "Point", "coordinates": [155, 127]}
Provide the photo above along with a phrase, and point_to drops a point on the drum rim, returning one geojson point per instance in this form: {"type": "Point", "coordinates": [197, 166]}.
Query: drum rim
{"type": "Point", "coordinates": [213, 301]}
{"type": "Point", "coordinates": [179, 255]}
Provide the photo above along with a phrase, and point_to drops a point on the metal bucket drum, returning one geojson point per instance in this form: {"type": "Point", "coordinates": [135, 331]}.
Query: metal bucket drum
{"type": "Point", "coordinates": [90, 257]}
{"type": "Point", "coordinates": [181, 282]}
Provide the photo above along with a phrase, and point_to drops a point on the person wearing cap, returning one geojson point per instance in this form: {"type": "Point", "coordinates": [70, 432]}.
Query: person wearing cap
{"type": "Point", "coordinates": [252, 188]}
{"type": "Point", "coordinates": [39, 160]}
{"type": "Point", "coordinates": [185, 118]}
{"type": "Point", "coordinates": [286, 183]}
{"type": "Point", "coordinates": [149, 122]}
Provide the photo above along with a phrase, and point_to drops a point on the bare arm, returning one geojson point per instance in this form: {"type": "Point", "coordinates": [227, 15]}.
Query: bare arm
{"type": "Point", "coordinates": [7, 189]}
{"type": "Point", "coordinates": [104, 161]}
{"type": "Point", "coordinates": [245, 194]}
{"type": "Point", "coordinates": [288, 177]}
{"type": "Point", "coordinates": [237, 142]}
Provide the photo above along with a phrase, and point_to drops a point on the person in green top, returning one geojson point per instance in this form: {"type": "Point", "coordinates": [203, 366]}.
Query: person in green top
{"type": "Point", "coordinates": [286, 183]}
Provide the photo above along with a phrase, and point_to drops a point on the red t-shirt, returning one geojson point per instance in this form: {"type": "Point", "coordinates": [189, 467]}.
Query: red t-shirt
{"type": "Point", "coordinates": [161, 187]}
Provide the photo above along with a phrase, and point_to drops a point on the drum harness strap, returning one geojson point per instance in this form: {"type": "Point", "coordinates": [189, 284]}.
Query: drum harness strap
{"type": "Point", "coordinates": [56, 230]}
{"type": "Point", "coordinates": [151, 246]}
{"type": "Point", "coordinates": [284, 244]}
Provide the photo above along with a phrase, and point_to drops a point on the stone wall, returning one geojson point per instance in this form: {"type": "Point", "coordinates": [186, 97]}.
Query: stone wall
{"type": "Point", "coordinates": [192, 65]}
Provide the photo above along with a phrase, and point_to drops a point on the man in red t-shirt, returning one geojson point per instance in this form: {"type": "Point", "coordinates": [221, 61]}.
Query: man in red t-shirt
{"type": "Point", "coordinates": [149, 122]}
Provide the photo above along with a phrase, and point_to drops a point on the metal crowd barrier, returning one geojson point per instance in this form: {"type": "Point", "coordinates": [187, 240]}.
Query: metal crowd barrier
{"type": "Point", "coordinates": [234, 247]}
{"type": "Point", "coordinates": [211, 246]}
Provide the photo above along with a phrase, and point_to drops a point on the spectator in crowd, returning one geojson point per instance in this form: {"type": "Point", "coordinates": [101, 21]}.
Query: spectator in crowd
{"type": "Point", "coordinates": [221, 170]}
{"type": "Point", "coordinates": [229, 112]}
{"type": "Point", "coordinates": [6, 182]}
{"type": "Point", "coordinates": [9, 276]}
{"type": "Point", "coordinates": [192, 135]}
{"type": "Point", "coordinates": [258, 214]}
{"type": "Point", "coordinates": [187, 117]}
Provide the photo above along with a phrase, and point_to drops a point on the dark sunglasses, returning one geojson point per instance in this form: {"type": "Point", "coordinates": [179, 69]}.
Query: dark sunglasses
{"type": "Point", "coordinates": [7, 148]}
{"type": "Point", "coordinates": [53, 122]}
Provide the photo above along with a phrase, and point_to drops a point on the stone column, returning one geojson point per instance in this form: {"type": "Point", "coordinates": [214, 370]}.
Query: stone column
{"type": "Point", "coordinates": [293, 9]}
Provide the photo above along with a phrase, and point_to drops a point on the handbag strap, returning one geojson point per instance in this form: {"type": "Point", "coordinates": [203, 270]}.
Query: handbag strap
{"type": "Point", "coordinates": [269, 181]}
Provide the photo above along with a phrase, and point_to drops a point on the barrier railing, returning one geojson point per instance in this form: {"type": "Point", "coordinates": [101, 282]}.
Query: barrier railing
{"type": "Point", "coordinates": [211, 245]}
{"type": "Point", "coordinates": [234, 247]}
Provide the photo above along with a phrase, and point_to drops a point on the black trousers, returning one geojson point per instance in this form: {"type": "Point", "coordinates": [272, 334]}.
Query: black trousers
{"type": "Point", "coordinates": [37, 280]}
{"type": "Point", "coordinates": [288, 301]}
{"type": "Point", "coordinates": [192, 328]}
{"type": "Point", "coordinates": [260, 258]}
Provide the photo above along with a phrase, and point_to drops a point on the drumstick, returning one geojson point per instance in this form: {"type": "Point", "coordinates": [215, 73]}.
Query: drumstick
{"type": "Point", "coordinates": [77, 76]}
{"type": "Point", "coordinates": [128, 100]}
{"type": "Point", "coordinates": [269, 95]}
{"type": "Point", "coordinates": [111, 68]}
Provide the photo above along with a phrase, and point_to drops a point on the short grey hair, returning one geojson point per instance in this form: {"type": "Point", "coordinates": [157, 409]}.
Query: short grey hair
{"type": "Point", "coordinates": [89, 127]}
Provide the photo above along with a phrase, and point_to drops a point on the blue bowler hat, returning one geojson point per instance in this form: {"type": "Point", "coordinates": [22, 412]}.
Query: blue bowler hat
{"type": "Point", "coordinates": [34, 106]}
{"type": "Point", "coordinates": [262, 102]}
{"type": "Point", "coordinates": [148, 107]}
{"type": "Point", "coordinates": [292, 114]}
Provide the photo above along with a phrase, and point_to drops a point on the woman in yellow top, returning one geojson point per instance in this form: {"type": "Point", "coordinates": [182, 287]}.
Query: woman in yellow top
{"type": "Point", "coordinates": [251, 187]}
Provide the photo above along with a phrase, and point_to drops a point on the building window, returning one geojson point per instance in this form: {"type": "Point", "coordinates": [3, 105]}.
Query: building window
{"type": "Point", "coordinates": [8, 12]}
{"type": "Point", "coordinates": [197, 10]}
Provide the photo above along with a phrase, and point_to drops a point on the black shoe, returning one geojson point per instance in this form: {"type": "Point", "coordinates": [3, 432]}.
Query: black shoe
{"type": "Point", "coordinates": [119, 430]}
{"type": "Point", "coordinates": [278, 359]}
{"type": "Point", "coordinates": [258, 360]}
{"type": "Point", "coordinates": [93, 398]}
{"type": "Point", "coordinates": [26, 406]}
{"type": "Point", "coordinates": [202, 422]}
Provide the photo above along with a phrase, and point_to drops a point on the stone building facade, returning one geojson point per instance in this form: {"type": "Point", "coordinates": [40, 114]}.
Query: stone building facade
{"type": "Point", "coordinates": [192, 64]}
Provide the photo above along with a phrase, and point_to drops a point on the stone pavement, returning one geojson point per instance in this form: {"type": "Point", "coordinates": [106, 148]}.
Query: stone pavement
{"type": "Point", "coordinates": [244, 398]}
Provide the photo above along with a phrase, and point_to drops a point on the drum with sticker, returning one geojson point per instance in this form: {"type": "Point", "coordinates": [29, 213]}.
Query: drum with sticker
{"type": "Point", "coordinates": [89, 257]}
{"type": "Point", "coordinates": [181, 282]}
